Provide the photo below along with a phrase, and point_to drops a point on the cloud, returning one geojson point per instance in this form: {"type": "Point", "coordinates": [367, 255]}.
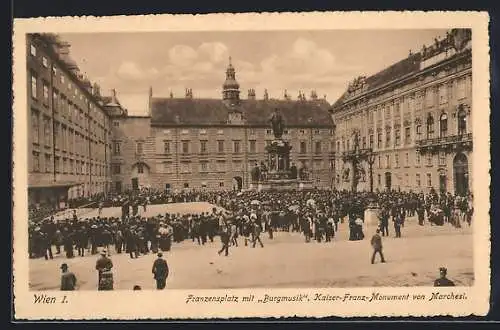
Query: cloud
{"type": "Point", "coordinates": [182, 55]}
{"type": "Point", "coordinates": [129, 70]}
{"type": "Point", "coordinates": [302, 66]}
{"type": "Point", "coordinates": [216, 52]}
{"type": "Point", "coordinates": [303, 57]}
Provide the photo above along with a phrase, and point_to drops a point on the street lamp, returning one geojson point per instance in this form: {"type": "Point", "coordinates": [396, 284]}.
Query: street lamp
{"type": "Point", "coordinates": [371, 160]}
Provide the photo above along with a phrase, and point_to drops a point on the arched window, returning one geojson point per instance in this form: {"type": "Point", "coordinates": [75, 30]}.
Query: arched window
{"type": "Point", "coordinates": [443, 125]}
{"type": "Point", "coordinates": [430, 126]}
{"type": "Point", "coordinates": [462, 122]}
{"type": "Point", "coordinates": [140, 168]}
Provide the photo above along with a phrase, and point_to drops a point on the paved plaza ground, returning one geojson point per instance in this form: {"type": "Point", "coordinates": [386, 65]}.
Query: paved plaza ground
{"type": "Point", "coordinates": [286, 261]}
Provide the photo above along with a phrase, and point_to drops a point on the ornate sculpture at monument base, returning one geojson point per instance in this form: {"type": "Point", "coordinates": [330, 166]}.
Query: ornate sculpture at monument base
{"type": "Point", "coordinates": [279, 175]}
{"type": "Point", "coordinates": [276, 173]}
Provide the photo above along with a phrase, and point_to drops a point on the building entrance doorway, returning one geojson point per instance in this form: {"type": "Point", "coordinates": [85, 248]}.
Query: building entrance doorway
{"type": "Point", "coordinates": [237, 183]}
{"type": "Point", "coordinates": [388, 180]}
{"type": "Point", "coordinates": [135, 184]}
{"type": "Point", "coordinates": [461, 174]}
{"type": "Point", "coordinates": [442, 182]}
{"type": "Point", "coordinates": [118, 187]}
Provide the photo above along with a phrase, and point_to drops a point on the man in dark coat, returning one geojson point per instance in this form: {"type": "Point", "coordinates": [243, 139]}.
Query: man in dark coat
{"type": "Point", "coordinates": [224, 237]}
{"type": "Point", "coordinates": [68, 243]}
{"type": "Point", "coordinates": [384, 221]}
{"type": "Point", "coordinates": [421, 214]}
{"type": "Point", "coordinates": [160, 271]}
{"type": "Point", "coordinates": [45, 245]}
{"type": "Point", "coordinates": [81, 241]}
{"type": "Point", "coordinates": [443, 280]}
{"type": "Point", "coordinates": [118, 241]}
{"type": "Point", "coordinates": [397, 224]}
{"type": "Point", "coordinates": [377, 246]}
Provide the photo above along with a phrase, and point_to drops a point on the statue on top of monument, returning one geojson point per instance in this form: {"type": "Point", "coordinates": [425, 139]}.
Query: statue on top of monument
{"type": "Point", "coordinates": [277, 123]}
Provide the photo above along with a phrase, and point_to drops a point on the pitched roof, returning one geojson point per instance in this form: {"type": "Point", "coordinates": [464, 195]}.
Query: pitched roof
{"type": "Point", "coordinates": [400, 69]}
{"type": "Point", "coordinates": [405, 67]}
{"type": "Point", "coordinates": [186, 111]}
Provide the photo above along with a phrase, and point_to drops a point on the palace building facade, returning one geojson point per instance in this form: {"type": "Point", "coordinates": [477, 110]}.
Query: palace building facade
{"type": "Point", "coordinates": [408, 127]}
{"type": "Point", "coordinates": [213, 144]}
{"type": "Point", "coordinates": [69, 132]}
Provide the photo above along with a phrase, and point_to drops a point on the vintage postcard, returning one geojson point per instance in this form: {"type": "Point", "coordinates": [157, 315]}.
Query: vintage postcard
{"type": "Point", "coordinates": [251, 165]}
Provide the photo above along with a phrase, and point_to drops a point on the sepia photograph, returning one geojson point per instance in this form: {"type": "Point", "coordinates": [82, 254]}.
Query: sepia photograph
{"type": "Point", "coordinates": [219, 159]}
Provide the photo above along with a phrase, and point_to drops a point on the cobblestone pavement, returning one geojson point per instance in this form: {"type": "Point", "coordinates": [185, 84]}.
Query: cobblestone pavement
{"type": "Point", "coordinates": [286, 261]}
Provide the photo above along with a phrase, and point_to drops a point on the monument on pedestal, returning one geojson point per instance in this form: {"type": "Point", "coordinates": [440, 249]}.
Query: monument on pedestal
{"type": "Point", "coordinates": [278, 174]}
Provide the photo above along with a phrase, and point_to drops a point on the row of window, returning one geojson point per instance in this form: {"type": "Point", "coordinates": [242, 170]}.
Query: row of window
{"type": "Point", "coordinates": [251, 131]}
{"type": "Point", "coordinates": [429, 160]}
{"type": "Point", "coordinates": [45, 163]}
{"type": "Point", "coordinates": [62, 80]}
{"type": "Point", "coordinates": [443, 132]}
{"type": "Point", "coordinates": [431, 96]}
{"type": "Point", "coordinates": [406, 180]}
{"type": "Point", "coordinates": [63, 138]}
{"type": "Point", "coordinates": [68, 109]}
{"type": "Point", "coordinates": [203, 147]}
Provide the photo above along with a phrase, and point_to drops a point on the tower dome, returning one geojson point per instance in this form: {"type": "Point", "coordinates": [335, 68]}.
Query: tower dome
{"type": "Point", "coordinates": [231, 88]}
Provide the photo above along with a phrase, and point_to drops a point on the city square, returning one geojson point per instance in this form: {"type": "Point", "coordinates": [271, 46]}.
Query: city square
{"type": "Point", "coordinates": [284, 262]}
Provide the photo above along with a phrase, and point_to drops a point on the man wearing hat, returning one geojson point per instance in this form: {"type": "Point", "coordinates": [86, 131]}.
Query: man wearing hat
{"type": "Point", "coordinates": [160, 271]}
{"type": "Point", "coordinates": [68, 279]}
{"type": "Point", "coordinates": [377, 246]}
{"type": "Point", "coordinates": [443, 280]}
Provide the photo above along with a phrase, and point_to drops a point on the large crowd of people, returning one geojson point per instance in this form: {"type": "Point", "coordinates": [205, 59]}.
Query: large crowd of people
{"type": "Point", "coordinates": [315, 214]}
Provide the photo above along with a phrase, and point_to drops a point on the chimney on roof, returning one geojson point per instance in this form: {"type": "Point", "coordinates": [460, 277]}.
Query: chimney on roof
{"type": "Point", "coordinates": [286, 96]}
{"type": "Point", "coordinates": [266, 95]}
{"type": "Point", "coordinates": [171, 95]}
{"type": "Point", "coordinates": [251, 94]}
{"type": "Point", "coordinates": [314, 95]}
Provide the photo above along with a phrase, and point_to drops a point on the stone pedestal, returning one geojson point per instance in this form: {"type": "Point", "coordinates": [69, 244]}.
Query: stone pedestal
{"type": "Point", "coordinates": [278, 159]}
{"type": "Point", "coordinates": [371, 219]}
{"type": "Point", "coordinates": [279, 176]}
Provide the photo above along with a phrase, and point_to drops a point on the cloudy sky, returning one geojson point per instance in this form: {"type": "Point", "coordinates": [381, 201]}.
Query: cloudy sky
{"type": "Point", "coordinates": [274, 60]}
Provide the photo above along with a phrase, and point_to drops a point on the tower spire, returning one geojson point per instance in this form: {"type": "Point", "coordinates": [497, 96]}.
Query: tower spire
{"type": "Point", "coordinates": [231, 88]}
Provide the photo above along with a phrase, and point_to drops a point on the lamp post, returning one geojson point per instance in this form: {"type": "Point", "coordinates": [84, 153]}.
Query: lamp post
{"type": "Point", "coordinates": [371, 160]}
